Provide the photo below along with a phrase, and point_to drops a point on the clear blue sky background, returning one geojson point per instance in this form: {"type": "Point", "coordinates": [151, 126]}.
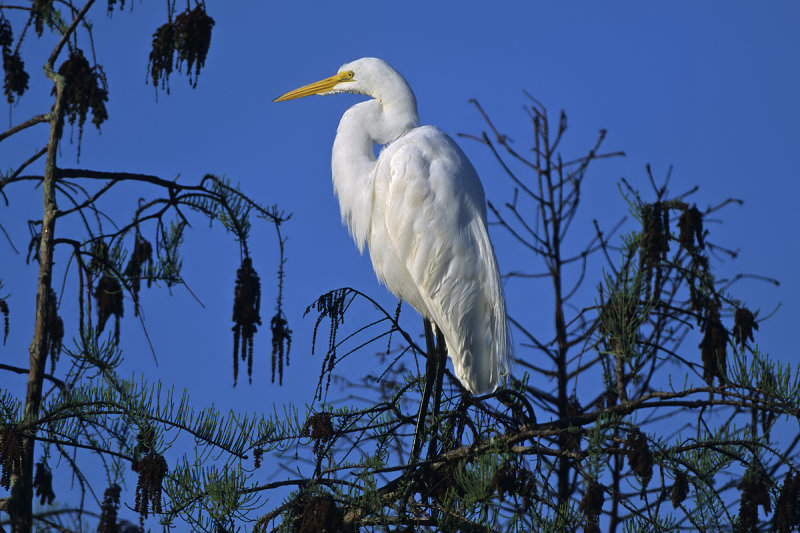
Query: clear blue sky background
{"type": "Point", "coordinates": [709, 87]}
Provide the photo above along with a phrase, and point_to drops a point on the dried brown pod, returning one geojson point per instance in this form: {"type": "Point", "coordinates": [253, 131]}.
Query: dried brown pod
{"type": "Point", "coordinates": [787, 508]}
{"type": "Point", "coordinates": [161, 55]}
{"type": "Point", "coordinates": [6, 323]}
{"type": "Point", "coordinates": [140, 263]}
{"type": "Point", "coordinates": [108, 295]}
{"type": "Point", "coordinates": [514, 479]}
{"type": "Point", "coordinates": [640, 458]}
{"type": "Point", "coordinates": [54, 331]}
{"type": "Point", "coordinates": [319, 428]}
{"type": "Point", "coordinates": [16, 79]}
{"type": "Point", "coordinates": [192, 40]}
{"type": "Point", "coordinates": [654, 244]}
{"type": "Point", "coordinates": [40, 12]}
{"type": "Point", "coordinates": [109, 509]}
{"type": "Point", "coordinates": [112, 3]}
{"type": "Point", "coordinates": [152, 468]}
{"type": "Point", "coordinates": [85, 89]}
{"type": "Point", "coordinates": [592, 505]}
{"type": "Point", "coordinates": [680, 489]}
{"type": "Point", "coordinates": [281, 345]}
{"type": "Point", "coordinates": [11, 458]}
{"type": "Point", "coordinates": [246, 315]}
{"type": "Point", "coordinates": [755, 492]}
{"type": "Point", "coordinates": [690, 227]}
{"type": "Point", "coordinates": [714, 347]}
{"type": "Point", "coordinates": [572, 439]}
{"type": "Point", "coordinates": [43, 483]}
{"type": "Point", "coordinates": [189, 35]}
{"type": "Point", "coordinates": [744, 322]}
{"type": "Point", "coordinates": [313, 513]}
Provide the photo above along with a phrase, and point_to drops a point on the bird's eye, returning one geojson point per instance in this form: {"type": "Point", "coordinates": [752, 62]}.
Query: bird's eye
{"type": "Point", "coordinates": [350, 74]}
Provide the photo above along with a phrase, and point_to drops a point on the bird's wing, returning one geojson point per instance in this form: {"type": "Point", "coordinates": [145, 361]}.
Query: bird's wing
{"type": "Point", "coordinates": [433, 207]}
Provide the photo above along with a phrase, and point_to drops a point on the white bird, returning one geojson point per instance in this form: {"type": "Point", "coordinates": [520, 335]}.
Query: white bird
{"type": "Point", "coordinates": [420, 208]}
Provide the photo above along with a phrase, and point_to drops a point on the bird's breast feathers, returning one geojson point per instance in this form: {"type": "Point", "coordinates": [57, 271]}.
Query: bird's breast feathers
{"type": "Point", "coordinates": [428, 213]}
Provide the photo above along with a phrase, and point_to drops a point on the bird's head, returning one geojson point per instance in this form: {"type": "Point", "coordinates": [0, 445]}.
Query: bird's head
{"type": "Point", "coordinates": [369, 75]}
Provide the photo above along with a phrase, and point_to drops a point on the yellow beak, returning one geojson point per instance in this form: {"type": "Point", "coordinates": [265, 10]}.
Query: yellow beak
{"type": "Point", "coordinates": [317, 87]}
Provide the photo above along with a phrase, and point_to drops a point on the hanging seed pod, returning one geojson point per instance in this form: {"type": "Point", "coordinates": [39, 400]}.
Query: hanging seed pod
{"type": "Point", "coordinates": [11, 458]}
{"type": "Point", "coordinates": [787, 508]}
{"type": "Point", "coordinates": [680, 489]}
{"type": "Point", "coordinates": [640, 458]}
{"type": "Point", "coordinates": [281, 345]}
{"type": "Point", "coordinates": [108, 295]}
{"type": "Point", "coordinates": [246, 315]}
{"type": "Point", "coordinates": [16, 79]}
{"type": "Point", "coordinates": [109, 509]}
{"type": "Point", "coordinates": [592, 505]}
{"type": "Point", "coordinates": [690, 227]}
{"type": "Point", "coordinates": [43, 483]}
{"type": "Point", "coordinates": [192, 40]}
{"type": "Point", "coordinates": [152, 469]}
{"type": "Point", "coordinates": [655, 243]}
{"type": "Point", "coordinates": [6, 323]}
{"type": "Point", "coordinates": [744, 322]}
{"type": "Point", "coordinates": [40, 12]}
{"type": "Point", "coordinates": [140, 263]}
{"type": "Point", "coordinates": [714, 348]}
{"type": "Point", "coordinates": [189, 35]}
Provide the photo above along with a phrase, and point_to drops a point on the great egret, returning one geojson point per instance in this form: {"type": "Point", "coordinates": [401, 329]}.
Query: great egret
{"type": "Point", "coordinates": [420, 208]}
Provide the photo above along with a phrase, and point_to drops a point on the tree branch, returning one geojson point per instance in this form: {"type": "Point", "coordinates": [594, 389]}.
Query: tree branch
{"type": "Point", "coordinates": [38, 119]}
{"type": "Point", "coordinates": [65, 37]}
{"type": "Point", "coordinates": [60, 384]}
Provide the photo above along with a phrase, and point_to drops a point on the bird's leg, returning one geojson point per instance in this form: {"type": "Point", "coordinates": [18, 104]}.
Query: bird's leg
{"type": "Point", "coordinates": [430, 378]}
{"type": "Point", "coordinates": [441, 364]}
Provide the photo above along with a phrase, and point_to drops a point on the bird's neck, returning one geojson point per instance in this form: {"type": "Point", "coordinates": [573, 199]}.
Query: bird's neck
{"type": "Point", "coordinates": [362, 127]}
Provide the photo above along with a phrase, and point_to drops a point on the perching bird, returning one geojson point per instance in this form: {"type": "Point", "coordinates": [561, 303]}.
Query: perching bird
{"type": "Point", "coordinates": [421, 210]}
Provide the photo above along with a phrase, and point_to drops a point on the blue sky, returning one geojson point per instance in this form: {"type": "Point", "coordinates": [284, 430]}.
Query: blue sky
{"type": "Point", "coordinates": [708, 87]}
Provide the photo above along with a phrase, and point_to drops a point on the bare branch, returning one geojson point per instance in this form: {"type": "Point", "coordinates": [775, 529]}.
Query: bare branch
{"type": "Point", "coordinates": [38, 119]}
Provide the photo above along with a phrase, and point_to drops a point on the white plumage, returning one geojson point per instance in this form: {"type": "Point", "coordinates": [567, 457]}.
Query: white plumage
{"type": "Point", "coordinates": [421, 210]}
